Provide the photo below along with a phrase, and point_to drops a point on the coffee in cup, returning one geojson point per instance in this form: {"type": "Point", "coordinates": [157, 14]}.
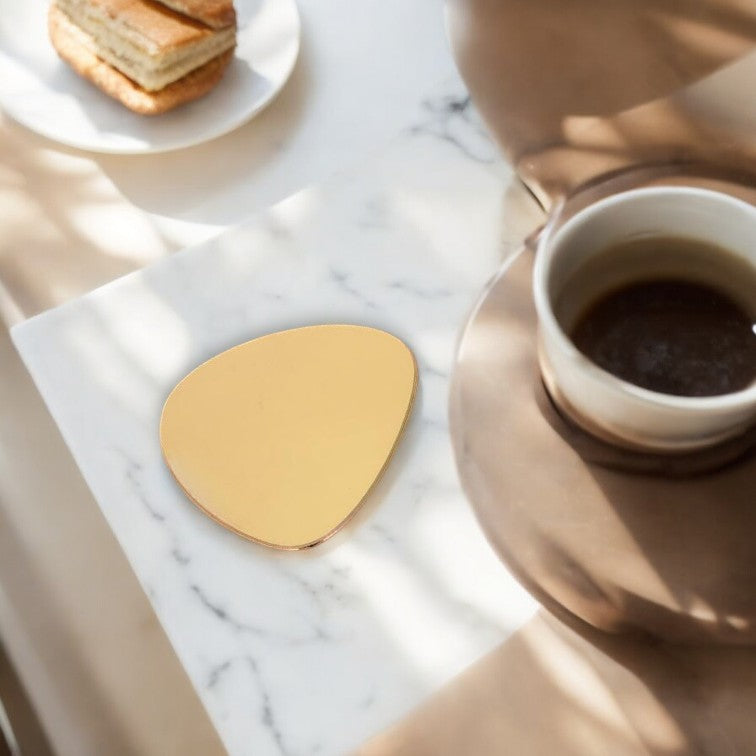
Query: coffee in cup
{"type": "Point", "coordinates": [646, 304]}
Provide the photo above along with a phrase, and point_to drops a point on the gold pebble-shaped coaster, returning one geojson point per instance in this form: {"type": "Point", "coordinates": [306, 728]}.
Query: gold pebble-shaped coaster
{"type": "Point", "coordinates": [280, 439]}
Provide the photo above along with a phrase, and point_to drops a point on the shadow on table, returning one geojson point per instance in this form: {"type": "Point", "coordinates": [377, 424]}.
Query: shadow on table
{"type": "Point", "coordinates": [165, 183]}
{"type": "Point", "coordinates": [572, 93]}
{"type": "Point", "coordinates": [552, 689]}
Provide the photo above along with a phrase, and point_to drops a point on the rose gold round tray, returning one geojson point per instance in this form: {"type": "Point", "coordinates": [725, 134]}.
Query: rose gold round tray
{"type": "Point", "coordinates": [620, 540]}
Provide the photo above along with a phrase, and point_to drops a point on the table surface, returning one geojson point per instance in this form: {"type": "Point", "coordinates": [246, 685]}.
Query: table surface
{"type": "Point", "coordinates": [295, 653]}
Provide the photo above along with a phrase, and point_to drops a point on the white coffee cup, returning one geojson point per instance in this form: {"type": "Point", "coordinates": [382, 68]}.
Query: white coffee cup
{"type": "Point", "coordinates": [604, 404]}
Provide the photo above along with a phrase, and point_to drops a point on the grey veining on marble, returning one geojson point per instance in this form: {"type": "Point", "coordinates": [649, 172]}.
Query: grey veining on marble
{"type": "Point", "coordinates": [311, 652]}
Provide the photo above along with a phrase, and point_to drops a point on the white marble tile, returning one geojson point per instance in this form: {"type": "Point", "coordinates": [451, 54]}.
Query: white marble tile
{"type": "Point", "coordinates": [313, 652]}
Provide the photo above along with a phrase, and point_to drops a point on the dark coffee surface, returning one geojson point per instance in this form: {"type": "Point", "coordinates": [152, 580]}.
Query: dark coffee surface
{"type": "Point", "coordinates": [671, 336]}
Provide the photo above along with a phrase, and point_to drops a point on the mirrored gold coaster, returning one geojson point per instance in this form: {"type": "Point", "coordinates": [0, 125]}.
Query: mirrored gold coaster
{"type": "Point", "coordinates": [281, 438]}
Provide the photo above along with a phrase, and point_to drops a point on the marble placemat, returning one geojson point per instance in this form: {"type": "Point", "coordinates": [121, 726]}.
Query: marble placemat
{"type": "Point", "coordinates": [311, 652]}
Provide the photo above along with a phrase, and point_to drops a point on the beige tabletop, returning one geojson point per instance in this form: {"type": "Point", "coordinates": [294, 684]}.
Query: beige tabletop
{"type": "Point", "coordinates": [100, 669]}
{"type": "Point", "coordinates": [554, 690]}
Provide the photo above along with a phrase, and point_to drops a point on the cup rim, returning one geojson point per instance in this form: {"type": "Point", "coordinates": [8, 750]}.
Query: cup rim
{"type": "Point", "coordinates": [547, 319]}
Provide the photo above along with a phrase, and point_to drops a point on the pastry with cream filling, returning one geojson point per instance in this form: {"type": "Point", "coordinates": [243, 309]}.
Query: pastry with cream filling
{"type": "Point", "coordinates": [151, 56]}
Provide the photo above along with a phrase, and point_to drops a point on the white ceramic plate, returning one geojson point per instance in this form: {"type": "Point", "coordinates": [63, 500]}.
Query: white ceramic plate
{"type": "Point", "coordinates": [40, 91]}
